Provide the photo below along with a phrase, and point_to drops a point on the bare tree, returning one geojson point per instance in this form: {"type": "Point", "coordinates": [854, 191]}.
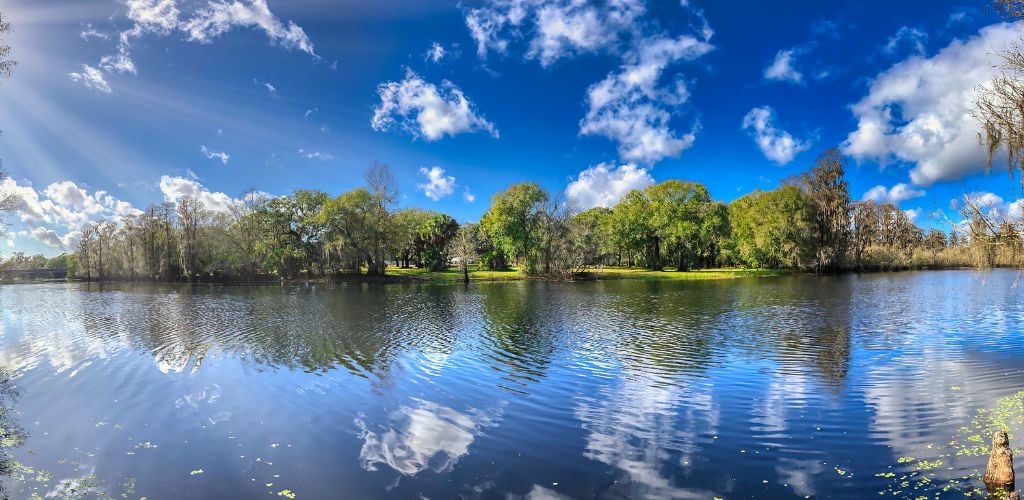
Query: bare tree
{"type": "Point", "coordinates": [464, 248]}
{"type": "Point", "coordinates": [384, 188]}
{"type": "Point", "coordinates": [191, 217]}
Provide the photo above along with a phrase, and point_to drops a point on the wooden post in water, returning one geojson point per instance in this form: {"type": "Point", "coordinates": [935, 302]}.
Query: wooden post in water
{"type": "Point", "coordinates": [999, 478]}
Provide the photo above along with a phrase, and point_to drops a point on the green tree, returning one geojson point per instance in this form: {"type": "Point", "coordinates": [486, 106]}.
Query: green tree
{"type": "Point", "coordinates": [406, 225]}
{"type": "Point", "coordinates": [513, 222]}
{"type": "Point", "coordinates": [435, 236]}
{"type": "Point", "coordinates": [827, 188]}
{"type": "Point", "coordinates": [632, 230]}
{"type": "Point", "coordinates": [347, 220]}
{"type": "Point", "coordinates": [773, 229]}
{"type": "Point", "coordinates": [591, 229]}
{"type": "Point", "coordinates": [677, 215]}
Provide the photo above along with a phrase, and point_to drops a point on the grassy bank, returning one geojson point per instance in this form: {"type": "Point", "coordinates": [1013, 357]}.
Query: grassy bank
{"type": "Point", "coordinates": [606, 273]}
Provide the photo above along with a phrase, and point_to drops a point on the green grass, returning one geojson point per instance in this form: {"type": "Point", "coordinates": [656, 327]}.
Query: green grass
{"type": "Point", "coordinates": [672, 275]}
{"type": "Point", "coordinates": [453, 275]}
{"type": "Point", "coordinates": [607, 273]}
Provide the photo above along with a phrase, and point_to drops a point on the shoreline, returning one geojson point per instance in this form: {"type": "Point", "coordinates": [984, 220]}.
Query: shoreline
{"type": "Point", "coordinates": [454, 277]}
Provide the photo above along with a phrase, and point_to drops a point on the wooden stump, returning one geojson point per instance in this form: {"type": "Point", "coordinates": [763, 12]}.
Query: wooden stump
{"type": "Point", "coordinates": [999, 478]}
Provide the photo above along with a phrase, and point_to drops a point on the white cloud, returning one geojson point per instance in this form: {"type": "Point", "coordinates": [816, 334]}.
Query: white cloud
{"type": "Point", "coordinates": [632, 108]}
{"type": "Point", "coordinates": [119, 63]}
{"type": "Point", "coordinates": [603, 185]}
{"type": "Point", "coordinates": [89, 32]}
{"type": "Point", "coordinates": [152, 16]}
{"type": "Point", "coordinates": [906, 39]}
{"type": "Point", "coordinates": [220, 155]}
{"type": "Point", "coordinates": [569, 27]}
{"type": "Point", "coordinates": [438, 185]}
{"type": "Point", "coordinates": [48, 237]}
{"type": "Point", "coordinates": [315, 155]}
{"type": "Point", "coordinates": [994, 205]}
{"type": "Point", "coordinates": [163, 17]}
{"type": "Point", "coordinates": [913, 213]}
{"type": "Point", "coordinates": [271, 89]}
{"type": "Point", "coordinates": [310, 111]}
{"type": "Point", "coordinates": [422, 108]}
{"type": "Point", "coordinates": [62, 207]}
{"type": "Point", "coordinates": [219, 17]}
{"type": "Point", "coordinates": [782, 67]}
{"type": "Point", "coordinates": [561, 28]}
{"type": "Point", "coordinates": [776, 144]}
{"type": "Point", "coordinates": [468, 197]}
{"type": "Point", "coordinates": [918, 111]}
{"type": "Point", "coordinates": [899, 193]}
{"type": "Point", "coordinates": [92, 78]}
{"type": "Point", "coordinates": [436, 53]}
{"type": "Point", "coordinates": [175, 188]}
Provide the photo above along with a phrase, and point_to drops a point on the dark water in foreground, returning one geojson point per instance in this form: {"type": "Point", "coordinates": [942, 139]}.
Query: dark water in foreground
{"type": "Point", "coordinates": [762, 388]}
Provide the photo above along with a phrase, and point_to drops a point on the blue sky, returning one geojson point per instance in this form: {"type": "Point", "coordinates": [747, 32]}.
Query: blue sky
{"type": "Point", "coordinates": [117, 104]}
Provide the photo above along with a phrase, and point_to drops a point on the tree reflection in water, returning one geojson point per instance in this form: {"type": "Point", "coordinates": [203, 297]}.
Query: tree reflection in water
{"type": "Point", "coordinates": [12, 435]}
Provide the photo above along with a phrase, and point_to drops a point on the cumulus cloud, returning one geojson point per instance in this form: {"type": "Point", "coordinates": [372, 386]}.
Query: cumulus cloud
{"type": "Point", "coordinates": [899, 193]}
{"type": "Point", "coordinates": [57, 213]}
{"type": "Point", "coordinates": [219, 155]}
{"type": "Point", "coordinates": [468, 197]}
{"type": "Point", "coordinates": [776, 144]}
{"type": "Point", "coordinates": [918, 111]}
{"type": "Point", "coordinates": [438, 185]}
{"type": "Point", "coordinates": [92, 78]}
{"type": "Point", "coordinates": [782, 67]}
{"type": "Point", "coordinates": [48, 237]}
{"type": "Point", "coordinates": [603, 185]}
{"type": "Point", "coordinates": [632, 107]}
{"type": "Point", "coordinates": [175, 188]}
{"type": "Point", "coordinates": [424, 109]}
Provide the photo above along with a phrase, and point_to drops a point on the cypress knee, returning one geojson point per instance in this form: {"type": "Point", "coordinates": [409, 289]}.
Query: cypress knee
{"type": "Point", "coordinates": [999, 473]}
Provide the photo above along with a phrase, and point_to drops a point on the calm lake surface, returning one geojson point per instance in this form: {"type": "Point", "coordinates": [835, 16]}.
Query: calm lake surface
{"type": "Point", "coordinates": [754, 388]}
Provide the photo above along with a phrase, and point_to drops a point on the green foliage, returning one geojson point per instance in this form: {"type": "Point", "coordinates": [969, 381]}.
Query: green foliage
{"type": "Point", "coordinates": [513, 222]}
{"type": "Point", "coordinates": [773, 229]}
{"type": "Point", "coordinates": [435, 236]}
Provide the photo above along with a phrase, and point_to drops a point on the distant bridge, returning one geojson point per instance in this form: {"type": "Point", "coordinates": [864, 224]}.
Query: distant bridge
{"type": "Point", "coordinates": [33, 274]}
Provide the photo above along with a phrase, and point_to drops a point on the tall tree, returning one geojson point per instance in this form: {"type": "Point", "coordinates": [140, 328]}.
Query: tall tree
{"type": "Point", "coordinates": [677, 215]}
{"type": "Point", "coordinates": [191, 217]}
{"type": "Point", "coordinates": [384, 188]}
{"type": "Point", "coordinates": [464, 248]}
{"type": "Point", "coordinates": [436, 235]}
{"type": "Point", "coordinates": [632, 231]}
{"type": "Point", "coordinates": [513, 222]}
{"type": "Point", "coordinates": [827, 188]}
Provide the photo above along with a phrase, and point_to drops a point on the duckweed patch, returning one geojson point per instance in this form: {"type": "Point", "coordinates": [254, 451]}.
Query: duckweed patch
{"type": "Point", "coordinates": [911, 477]}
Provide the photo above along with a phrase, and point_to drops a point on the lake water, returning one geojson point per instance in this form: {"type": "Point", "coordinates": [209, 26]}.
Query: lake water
{"type": "Point", "coordinates": [839, 387]}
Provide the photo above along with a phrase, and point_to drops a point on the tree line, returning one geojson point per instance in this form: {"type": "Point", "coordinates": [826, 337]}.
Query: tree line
{"type": "Point", "coordinates": [809, 223]}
